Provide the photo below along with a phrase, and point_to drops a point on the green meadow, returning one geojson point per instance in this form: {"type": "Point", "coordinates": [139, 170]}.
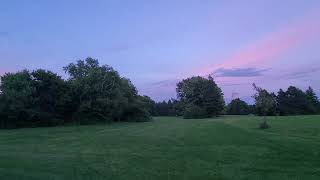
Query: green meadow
{"type": "Point", "coordinates": [167, 148]}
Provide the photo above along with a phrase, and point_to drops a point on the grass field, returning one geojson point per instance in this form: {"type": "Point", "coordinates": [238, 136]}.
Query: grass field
{"type": "Point", "coordinates": [229, 147]}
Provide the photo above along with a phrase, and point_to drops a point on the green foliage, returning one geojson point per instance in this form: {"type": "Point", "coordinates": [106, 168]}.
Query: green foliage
{"type": "Point", "coordinates": [252, 109]}
{"type": "Point", "coordinates": [92, 94]}
{"type": "Point", "coordinates": [102, 93]}
{"type": "Point", "coordinates": [51, 97]}
{"type": "Point", "coordinates": [296, 102]}
{"type": "Point", "coordinates": [32, 99]}
{"type": "Point", "coordinates": [178, 107]}
{"type": "Point", "coordinates": [202, 93]}
{"type": "Point", "coordinates": [162, 109]}
{"type": "Point", "coordinates": [313, 101]}
{"type": "Point", "coordinates": [238, 107]}
{"type": "Point", "coordinates": [149, 104]}
{"type": "Point", "coordinates": [171, 108]}
{"type": "Point", "coordinates": [195, 112]}
{"type": "Point", "coordinates": [16, 98]}
{"type": "Point", "coordinates": [265, 102]}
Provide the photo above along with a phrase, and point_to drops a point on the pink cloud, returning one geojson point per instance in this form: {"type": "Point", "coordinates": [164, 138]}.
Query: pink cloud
{"type": "Point", "coordinates": [273, 46]}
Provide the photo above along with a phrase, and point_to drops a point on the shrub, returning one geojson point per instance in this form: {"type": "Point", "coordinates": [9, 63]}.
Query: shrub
{"type": "Point", "coordinates": [264, 125]}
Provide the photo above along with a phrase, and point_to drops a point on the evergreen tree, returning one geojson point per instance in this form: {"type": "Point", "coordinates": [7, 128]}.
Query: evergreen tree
{"type": "Point", "coordinates": [313, 101]}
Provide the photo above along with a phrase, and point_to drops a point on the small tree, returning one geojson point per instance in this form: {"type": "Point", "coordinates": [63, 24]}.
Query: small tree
{"type": "Point", "coordinates": [265, 102]}
{"type": "Point", "coordinates": [238, 107]}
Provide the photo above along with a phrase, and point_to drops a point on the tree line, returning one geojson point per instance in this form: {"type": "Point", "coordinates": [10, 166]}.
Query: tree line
{"type": "Point", "coordinates": [96, 93]}
{"type": "Point", "coordinates": [93, 93]}
{"type": "Point", "coordinates": [293, 101]}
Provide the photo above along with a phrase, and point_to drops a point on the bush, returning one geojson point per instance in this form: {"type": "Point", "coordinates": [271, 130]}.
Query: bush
{"type": "Point", "coordinates": [264, 125]}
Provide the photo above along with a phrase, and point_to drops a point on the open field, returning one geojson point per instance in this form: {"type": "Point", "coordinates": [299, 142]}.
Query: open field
{"type": "Point", "coordinates": [229, 147]}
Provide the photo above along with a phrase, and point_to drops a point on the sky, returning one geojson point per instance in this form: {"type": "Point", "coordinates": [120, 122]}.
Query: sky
{"type": "Point", "coordinates": [272, 43]}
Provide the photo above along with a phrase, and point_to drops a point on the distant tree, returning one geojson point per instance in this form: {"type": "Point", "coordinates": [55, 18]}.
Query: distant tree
{"type": "Point", "coordinates": [201, 93]}
{"type": "Point", "coordinates": [264, 102]}
{"type": "Point", "coordinates": [296, 102]}
{"type": "Point", "coordinates": [313, 101]}
{"type": "Point", "coordinates": [238, 107]}
{"type": "Point", "coordinates": [162, 109]}
{"type": "Point", "coordinates": [171, 107]}
{"type": "Point", "coordinates": [282, 102]}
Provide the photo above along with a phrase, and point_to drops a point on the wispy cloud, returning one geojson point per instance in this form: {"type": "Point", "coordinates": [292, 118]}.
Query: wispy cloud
{"type": "Point", "coordinates": [235, 84]}
{"type": "Point", "coordinates": [272, 46]}
{"type": "Point", "coordinates": [302, 73]}
{"type": "Point", "coordinates": [166, 83]}
{"type": "Point", "coordinates": [239, 72]}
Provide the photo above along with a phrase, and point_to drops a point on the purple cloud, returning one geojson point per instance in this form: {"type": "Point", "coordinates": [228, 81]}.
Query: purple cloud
{"type": "Point", "coordinates": [239, 72]}
{"type": "Point", "coordinates": [302, 73]}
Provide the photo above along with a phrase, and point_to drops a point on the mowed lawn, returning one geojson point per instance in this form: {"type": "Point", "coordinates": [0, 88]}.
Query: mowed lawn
{"type": "Point", "coordinates": [228, 147]}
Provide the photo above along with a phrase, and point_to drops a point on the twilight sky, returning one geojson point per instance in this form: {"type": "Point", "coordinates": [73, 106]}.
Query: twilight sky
{"type": "Point", "coordinates": [157, 43]}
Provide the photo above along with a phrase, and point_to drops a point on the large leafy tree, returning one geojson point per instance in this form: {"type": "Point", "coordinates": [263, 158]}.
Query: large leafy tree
{"type": "Point", "coordinates": [32, 99]}
{"type": "Point", "coordinates": [201, 97]}
{"type": "Point", "coordinates": [238, 107]}
{"type": "Point", "coordinates": [51, 97]}
{"type": "Point", "coordinates": [100, 94]}
{"type": "Point", "coordinates": [16, 99]}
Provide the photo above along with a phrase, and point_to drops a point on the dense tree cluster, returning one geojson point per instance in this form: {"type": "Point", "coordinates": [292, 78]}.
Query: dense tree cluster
{"type": "Point", "coordinates": [92, 94]}
{"type": "Point", "coordinates": [172, 107]}
{"type": "Point", "coordinates": [293, 101]}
